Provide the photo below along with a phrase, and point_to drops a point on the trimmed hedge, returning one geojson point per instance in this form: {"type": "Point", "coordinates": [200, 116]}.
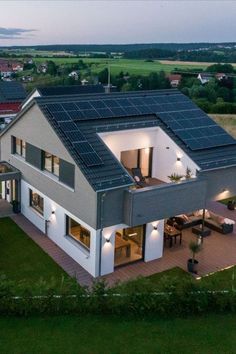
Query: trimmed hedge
{"type": "Point", "coordinates": [174, 297]}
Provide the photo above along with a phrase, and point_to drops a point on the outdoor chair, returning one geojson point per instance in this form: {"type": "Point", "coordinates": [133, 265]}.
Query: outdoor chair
{"type": "Point", "coordinates": [138, 177]}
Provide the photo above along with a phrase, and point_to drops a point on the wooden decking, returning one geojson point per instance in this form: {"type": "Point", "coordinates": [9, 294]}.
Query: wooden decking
{"type": "Point", "coordinates": [219, 251]}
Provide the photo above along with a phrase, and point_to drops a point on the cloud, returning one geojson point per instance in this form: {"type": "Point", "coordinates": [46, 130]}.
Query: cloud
{"type": "Point", "coordinates": [15, 33]}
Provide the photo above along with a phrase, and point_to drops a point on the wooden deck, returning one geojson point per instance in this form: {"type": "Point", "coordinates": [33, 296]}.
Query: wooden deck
{"type": "Point", "coordinates": [219, 251]}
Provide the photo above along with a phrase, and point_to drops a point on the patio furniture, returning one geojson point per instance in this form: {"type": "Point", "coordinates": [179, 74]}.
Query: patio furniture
{"type": "Point", "coordinates": [231, 205]}
{"type": "Point", "coordinates": [171, 233]}
{"type": "Point", "coordinates": [200, 231]}
{"type": "Point", "coordinates": [138, 177]}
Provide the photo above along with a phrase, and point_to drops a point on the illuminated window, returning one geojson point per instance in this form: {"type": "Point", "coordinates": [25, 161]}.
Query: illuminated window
{"type": "Point", "coordinates": [36, 202]}
{"type": "Point", "coordinates": [20, 147]}
{"type": "Point", "coordinates": [51, 163]}
{"type": "Point", "coordinates": [78, 232]}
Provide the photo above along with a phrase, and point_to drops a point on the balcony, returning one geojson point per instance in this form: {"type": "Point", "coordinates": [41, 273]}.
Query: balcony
{"type": "Point", "coordinates": [163, 200]}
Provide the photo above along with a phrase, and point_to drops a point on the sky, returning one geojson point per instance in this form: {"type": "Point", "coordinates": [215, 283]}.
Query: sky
{"type": "Point", "coordinates": [36, 22]}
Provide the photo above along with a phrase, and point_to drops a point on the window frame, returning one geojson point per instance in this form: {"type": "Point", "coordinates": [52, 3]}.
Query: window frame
{"type": "Point", "coordinates": [22, 146]}
{"type": "Point", "coordinates": [68, 234]}
{"type": "Point", "coordinates": [52, 163]}
{"type": "Point", "coordinates": [38, 210]}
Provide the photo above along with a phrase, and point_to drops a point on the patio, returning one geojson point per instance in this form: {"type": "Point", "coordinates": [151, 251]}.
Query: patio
{"type": "Point", "coordinates": [219, 252]}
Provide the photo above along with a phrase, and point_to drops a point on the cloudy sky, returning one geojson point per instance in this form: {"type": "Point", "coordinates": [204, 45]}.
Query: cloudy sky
{"type": "Point", "coordinates": [116, 21]}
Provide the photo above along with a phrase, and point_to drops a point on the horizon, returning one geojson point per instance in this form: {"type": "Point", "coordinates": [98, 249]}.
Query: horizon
{"type": "Point", "coordinates": [117, 22]}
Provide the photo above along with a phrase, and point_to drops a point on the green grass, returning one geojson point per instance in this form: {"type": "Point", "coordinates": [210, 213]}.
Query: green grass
{"type": "Point", "coordinates": [110, 335]}
{"type": "Point", "coordinates": [21, 258]}
{"type": "Point", "coordinates": [136, 67]}
{"type": "Point", "coordinates": [225, 201]}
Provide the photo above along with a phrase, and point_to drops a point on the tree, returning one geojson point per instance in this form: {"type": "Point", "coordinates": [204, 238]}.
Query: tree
{"type": "Point", "coordinates": [52, 68]}
{"type": "Point", "coordinates": [103, 76]}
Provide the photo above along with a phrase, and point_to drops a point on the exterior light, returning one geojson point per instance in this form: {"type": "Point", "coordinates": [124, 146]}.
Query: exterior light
{"type": "Point", "coordinates": [154, 227]}
{"type": "Point", "coordinates": [53, 212]}
{"type": "Point", "coordinates": [224, 190]}
{"type": "Point", "coordinates": [107, 239]}
{"type": "Point", "coordinates": [178, 159]}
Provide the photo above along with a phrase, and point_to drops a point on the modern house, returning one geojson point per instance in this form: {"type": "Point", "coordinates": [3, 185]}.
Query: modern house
{"type": "Point", "coordinates": [205, 78]}
{"type": "Point", "coordinates": [91, 171]}
{"type": "Point", "coordinates": [11, 96]}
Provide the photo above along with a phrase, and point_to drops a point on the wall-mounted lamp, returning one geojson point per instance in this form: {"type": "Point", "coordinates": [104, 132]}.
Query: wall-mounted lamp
{"type": "Point", "coordinates": [167, 147]}
{"type": "Point", "coordinates": [53, 212]}
{"type": "Point", "coordinates": [224, 190]}
{"type": "Point", "coordinates": [178, 159]}
{"type": "Point", "coordinates": [107, 239]}
{"type": "Point", "coordinates": [154, 227]}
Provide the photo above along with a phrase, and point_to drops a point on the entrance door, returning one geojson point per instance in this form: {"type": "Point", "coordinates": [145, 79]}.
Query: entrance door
{"type": "Point", "coordinates": [129, 245]}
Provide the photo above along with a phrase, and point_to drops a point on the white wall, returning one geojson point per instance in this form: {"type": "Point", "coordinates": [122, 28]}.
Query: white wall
{"type": "Point", "coordinates": [31, 97]}
{"type": "Point", "coordinates": [165, 150]}
{"type": "Point", "coordinates": [57, 229]}
{"type": "Point", "coordinates": [154, 240]}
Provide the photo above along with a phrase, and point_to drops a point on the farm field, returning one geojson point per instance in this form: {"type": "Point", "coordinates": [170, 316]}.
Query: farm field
{"type": "Point", "coordinates": [136, 67]}
{"type": "Point", "coordinates": [227, 121]}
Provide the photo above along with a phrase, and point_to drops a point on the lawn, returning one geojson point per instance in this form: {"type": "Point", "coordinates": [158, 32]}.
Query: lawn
{"type": "Point", "coordinates": [111, 335]}
{"type": "Point", "coordinates": [21, 258]}
{"type": "Point", "coordinates": [136, 67]}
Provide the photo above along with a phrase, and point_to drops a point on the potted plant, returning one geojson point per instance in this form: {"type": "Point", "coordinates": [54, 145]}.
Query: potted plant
{"type": "Point", "coordinates": [194, 247]}
{"type": "Point", "coordinates": [16, 206]}
{"type": "Point", "coordinates": [174, 177]}
{"type": "Point", "coordinates": [188, 173]}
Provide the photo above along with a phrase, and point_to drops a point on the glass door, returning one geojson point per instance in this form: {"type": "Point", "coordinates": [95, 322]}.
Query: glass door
{"type": "Point", "coordinates": [129, 245]}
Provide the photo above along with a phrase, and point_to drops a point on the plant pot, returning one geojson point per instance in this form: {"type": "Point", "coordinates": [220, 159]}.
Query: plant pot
{"type": "Point", "coordinates": [231, 205]}
{"type": "Point", "coordinates": [192, 266]}
{"type": "Point", "coordinates": [16, 207]}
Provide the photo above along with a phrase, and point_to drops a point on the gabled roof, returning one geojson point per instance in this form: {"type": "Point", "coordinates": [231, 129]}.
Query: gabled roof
{"type": "Point", "coordinates": [77, 120]}
{"type": "Point", "coordinates": [11, 91]}
{"type": "Point", "coordinates": [70, 90]}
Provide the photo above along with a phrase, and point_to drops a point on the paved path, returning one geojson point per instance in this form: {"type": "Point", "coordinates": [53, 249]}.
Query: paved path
{"type": "Point", "coordinates": [60, 257]}
{"type": "Point", "coordinates": [5, 208]}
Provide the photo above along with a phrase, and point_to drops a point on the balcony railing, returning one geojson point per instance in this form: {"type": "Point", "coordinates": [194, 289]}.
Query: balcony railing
{"type": "Point", "coordinates": [161, 201]}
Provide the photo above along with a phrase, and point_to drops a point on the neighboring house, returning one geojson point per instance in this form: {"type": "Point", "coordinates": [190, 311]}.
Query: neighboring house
{"type": "Point", "coordinates": [174, 80]}
{"type": "Point", "coordinates": [6, 70]}
{"type": "Point", "coordinates": [18, 67]}
{"type": "Point", "coordinates": [63, 90]}
{"type": "Point", "coordinates": [11, 96]}
{"type": "Point", "coordinates": [42, 68]}
{"type": "Point", "coordinates": [72, 158]}
{"type": "Point", "coordinates": [220, 76]}
{"type": "Point", "coordinates": [74, 75]}
{"type": "Point", "coordinates": [204, 78]}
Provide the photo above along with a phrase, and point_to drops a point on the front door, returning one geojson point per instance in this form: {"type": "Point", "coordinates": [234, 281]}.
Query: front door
{"type": "Point", "coordinates": [129, 245]}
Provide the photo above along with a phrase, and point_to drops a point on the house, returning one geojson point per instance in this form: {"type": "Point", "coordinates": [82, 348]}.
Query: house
{"type": "Point", "coordinates": [63, 90]}
{"type": "Point", "coordinates": [11, 96]}
{"type": "Point", "coordinates": [220, 76]}
{"type": "Point", "coordinates": [77, 163]}
{"type": "Point", "coordinates": [6, 70]}
{"type": "Point", "coordinates": [17, 67]}
{"type": "Point", "coordinates": [204, 78]}
{"type": "Point", "coordinates": [174, 80]}
{"type": "Point", "coordinates": [74, 75]}
{"type": "Point", "coordinates": [42, 68]}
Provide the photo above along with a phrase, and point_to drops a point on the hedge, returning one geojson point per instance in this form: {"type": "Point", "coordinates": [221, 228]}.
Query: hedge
{"type": "Point", "coordinates": [175, 297]}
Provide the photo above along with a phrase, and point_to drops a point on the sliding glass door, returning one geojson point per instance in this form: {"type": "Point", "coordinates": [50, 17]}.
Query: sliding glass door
{"type": "Point", "coordinates": [140, 158]}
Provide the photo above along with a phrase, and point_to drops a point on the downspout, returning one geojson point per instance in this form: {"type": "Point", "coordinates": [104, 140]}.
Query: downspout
{"type": "Point", "coordinates": [101, 230]}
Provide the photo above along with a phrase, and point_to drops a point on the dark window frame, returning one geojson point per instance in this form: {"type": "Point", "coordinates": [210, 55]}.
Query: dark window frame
{"type": "Point", "coordinates": [86, 231]}
{"type": "Point", "coordinates": [22, 147]}
{"type": "Point", "coordinates": [40, 200]}
{"type": "Point", "coordinates": [52, 163]}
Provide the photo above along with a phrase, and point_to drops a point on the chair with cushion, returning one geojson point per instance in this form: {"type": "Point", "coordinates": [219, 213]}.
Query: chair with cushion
{"type": "Point", "coordinates": [138, 177]}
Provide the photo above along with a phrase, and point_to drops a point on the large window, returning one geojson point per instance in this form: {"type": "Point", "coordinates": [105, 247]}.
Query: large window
{"type": "Point", "coordinates": [78, 232]}
{"type": "Point", "coordinates": [36, 202]}
{"type": "Point", "coordinates": [20, 147]}
{"type": "Point", "coordinates": [51, 163]}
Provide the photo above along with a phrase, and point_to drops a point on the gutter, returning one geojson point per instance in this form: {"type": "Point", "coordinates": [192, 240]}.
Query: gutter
{"type": "Point", "coordinates": [101, 231]}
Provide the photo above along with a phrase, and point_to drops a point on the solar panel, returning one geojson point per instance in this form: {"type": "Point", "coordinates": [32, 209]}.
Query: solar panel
{"type": "Point", "coordinates": [75, 136]}
{"type": "Point", "coordinates": [83, 147]}
{"type": "Point", "coordinates": [91, 159]}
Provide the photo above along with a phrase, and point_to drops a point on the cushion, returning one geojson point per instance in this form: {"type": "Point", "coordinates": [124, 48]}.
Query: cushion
{"type": "Point", "coordinates": [217, 218]}
{"type": "Point", "coordinates": [229, 221]}
{"type": "Point", "coordinates": [136, 178]}
{"type": "Point", "coordinates": [184, 217]}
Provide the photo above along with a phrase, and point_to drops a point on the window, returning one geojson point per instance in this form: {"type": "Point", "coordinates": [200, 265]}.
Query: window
{"type": "Point", "coordinates": [51, 163]}
{"type": "Point", "coordinates": [20, 147]}
{"type": "Point", "coordinates": [78, 232]}
{"type": "Point", "coordinates": [36, 202]}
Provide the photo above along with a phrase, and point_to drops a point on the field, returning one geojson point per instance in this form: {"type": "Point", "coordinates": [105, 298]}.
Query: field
{"type": "Point", "coordinates": [112, 335]}
{"type": "Point", "coordinates": [227, 121]}
{"type": "Point", "coordinates": [136, 67]}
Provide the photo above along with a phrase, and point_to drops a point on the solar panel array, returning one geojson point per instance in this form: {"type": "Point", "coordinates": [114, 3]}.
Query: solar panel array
{"type": "Point", "coordinates": [176, 111]}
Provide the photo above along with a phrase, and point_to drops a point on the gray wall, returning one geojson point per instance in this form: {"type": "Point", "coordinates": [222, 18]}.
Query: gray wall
{"type": "Point", "coordinates": [218, 180]}
{"type": "Point", "coordinates": [35, 129]}
{"type": "Point", "coordinates": [154, 203]}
